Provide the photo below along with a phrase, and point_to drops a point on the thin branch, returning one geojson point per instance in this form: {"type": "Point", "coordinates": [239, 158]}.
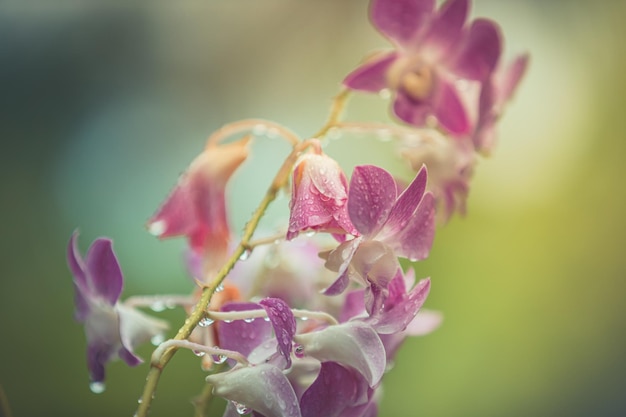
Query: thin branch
{"type": "Point", "coordinates": [256, 126]}
{"type": "Point", "coordinates": [339, 103]}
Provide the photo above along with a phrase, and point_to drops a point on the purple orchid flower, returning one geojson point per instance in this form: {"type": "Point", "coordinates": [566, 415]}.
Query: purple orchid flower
{"type": "Point", "coordinates": [113, 329]}
{"type": "Point", "coordinates": [436, 53]}
{"type": "Point", "coordinates": [390, 225]}
{"type": "Point", "coordinates": [318, 198]}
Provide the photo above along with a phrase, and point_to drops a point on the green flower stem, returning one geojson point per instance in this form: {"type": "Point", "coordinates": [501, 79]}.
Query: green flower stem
{"type": "Point", "coordinates": [156, 368]}
{"type": "Point", "coordinates": [339, 103]}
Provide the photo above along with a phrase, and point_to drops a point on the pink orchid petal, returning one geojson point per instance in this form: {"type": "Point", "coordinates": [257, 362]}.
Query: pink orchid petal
{"type": "Point", "coordinates": [371, 196]}
{"type": "Point", "coordinates": [400, 20]}
{"type": "Point", "coordinates": [98, 354]}
{"type": "Point", "coordinates": [239, 335]}
{"type": "Point", "coordinates": [425, 322]}
{"type": "Point", "coordinates": [76, 263]}
{"type": "Point", "coordinates": [339, 261]}
{"type": "Point", "coordinates": [410, 111]}
{"type": "Point", "coordinates": [416, 239]}
{"type": "Point", "coordinates": [446, 28]}
{"type": "Point", "coordinates": [479, 54]}
{"type": "Point", "coordinates": [353, 344]}
{"type": "Point", "coordinates": [512, 77]}
{"type": "Point", "coordinates": [331, 393]}
{"type": "Point", "coordinates": [263, 388]}
{"type": "Point", "coordinates": [375, 262]}
{"type": "Point", "coordinates": [104, 275]}
{"type": "Point", "coordinates": [371, 77]}
{"type": "Point", "coordinates": [397, 318]}
{"type": "Point", "coordinates": [136, 327]}
{"type": "Point", "coordinates": [353, 305]}
{"type": "Point", "coordinates": [449, 109]}
{"type": "Point", "coordinates": [284, 324]}
{"type": "Point", "coordinates": [405, 205]}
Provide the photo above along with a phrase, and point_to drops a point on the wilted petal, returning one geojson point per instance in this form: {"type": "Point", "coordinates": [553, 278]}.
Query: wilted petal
{"type": "Point", "coordinates": [400, 20]}
{"type": "Point", "coordinates": [371, 196]}
{"type": "Point", "coordinates": [263, 388]}
{"type": "Point", "coordinates": [239, 335]}
{"type": "Point", "coordinates": [284, 324]}
{"type": "Point", "coordinates": [196, 208]}
{"type": "Point", "coordinates": [371, 77]}
{"type": "Point", "coordinates": [354, 344]}
{"type": "Point", "coordinates": [333, 391]}
{"type": "Point", "coordinates": [480, 52]}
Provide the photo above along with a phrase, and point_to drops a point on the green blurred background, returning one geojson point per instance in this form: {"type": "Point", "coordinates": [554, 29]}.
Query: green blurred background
{"type": "Point", "coordinates": [103, 104]}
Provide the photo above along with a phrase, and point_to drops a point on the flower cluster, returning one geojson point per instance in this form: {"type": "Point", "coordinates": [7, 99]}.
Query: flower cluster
{"type": "Point", "coordinates": [306, 322]}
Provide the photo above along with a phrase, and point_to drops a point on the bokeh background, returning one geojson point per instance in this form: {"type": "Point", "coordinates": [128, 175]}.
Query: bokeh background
{"type": "Point", "coordinates": [103, 104]}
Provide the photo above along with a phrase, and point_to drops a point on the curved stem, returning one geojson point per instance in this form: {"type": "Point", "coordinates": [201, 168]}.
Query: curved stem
{"type": "Point", "coordinates": [253, 314]}
{"type": "Point", "coordinates": [256, 126]}
{"type": "Point", "coordinates": [163, 347]}
{"type": "Point", "coordinates": [282, 176]}
{"type": "Point", "coordinates": [339, 102]}
{"type": "Point", "coordinates": [156, 301]}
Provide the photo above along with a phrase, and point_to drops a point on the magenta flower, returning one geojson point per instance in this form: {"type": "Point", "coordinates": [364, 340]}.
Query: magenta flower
{"type": "Point", "coordinates": [113, 330]}
{"type": "Point", "coordinates": [390, 225]}
{"type": "Point", "coordinates": [319, 196]}
{"type": "Point", "coordinates": [196, 208]}
{"type": "Point", "coordinates": [435, 52]}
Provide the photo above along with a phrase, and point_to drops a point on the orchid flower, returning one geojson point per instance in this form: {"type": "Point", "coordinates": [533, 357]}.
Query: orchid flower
{"type": "Point", "coordinates": [113, 330]}
{"type": "Point", "coordinates": [390, 225]}
{"type": "Point", "coordinates": [435, 55]}
{"type": "Point", "coordinates": [319, 196]}
{"type": "Point", "coordinates": [196, 208]}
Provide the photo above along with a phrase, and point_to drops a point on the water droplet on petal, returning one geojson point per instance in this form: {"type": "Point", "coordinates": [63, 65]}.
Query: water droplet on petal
{"type": "Point", "coordinates": [259, 130]}
{"type": "Point", "coordinates": [157, 228]}
{"type": "Point", "coordinates": [157, 339]}
{"type": "Point", "coordinates": [97, 387]}
{"type": "Point", "coordinates": [385, 93]}
{"type": "Point", "coordinates": [249, 320]}
{"type": "Point", "coordinates": [205, 322]}
{"type": "Point", "coordinates": [157, 306]}
{"type": "Point", "coordinates": [241, 408]}
{"type": "Point", "coordinates": [245, 255]}
{"type": "Point", "coordinates": [298, 351]}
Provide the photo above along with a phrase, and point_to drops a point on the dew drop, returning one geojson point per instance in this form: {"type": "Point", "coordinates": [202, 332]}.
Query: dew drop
{"type": "Point", "coordinates": [241, 408]}
{"type": "Point", "coordinates": [304, 318]}
{"type": "Point", "coordinates": [259, 130]}
{"type": "Point", "coordinates": [198, 353]}
{"type": "Point", "coordinates": [228, 321]}
{"type": "Point", "coordinates": [157, 228]}
{"type": "Point", "coordinates": [310, 233]}
{"type": "Point", "coordinates": [245, 255]}
{"type": "Point", "coordinates": [299, 351]}
{"type": "Point", "coordinates": [157, 339]}
{"type": "Point", "coordinates": [385, 93]}
{"type": "Point", "coordinates": [266, 318]}
{"type": "Point", "coordinates": [205, 322]}
{"type": "Point", "coordinates": [219, 288]}
{"type": "Point", "coordinates": [140, 400]}
{"type": "Point", "coordinates": [157, 306]}
{"type": "Point", "coordinates": [249, 320]}
{"type": "Point", "coordinates": [97, 387]}
{"type": "Point", "coordinates": [219, 359]}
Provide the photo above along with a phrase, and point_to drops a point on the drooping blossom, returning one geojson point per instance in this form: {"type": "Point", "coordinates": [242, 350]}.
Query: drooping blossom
{"type": "Point", "coordinates": [319, 196]}
{"type": "Point", "coordinates": [113, 330]}
{"type": "Point", "coordinates": [196, 208]}
{"type": "Point", "coordinates": [390, 224]}
{"type": "Point", "coordinates": [450, 167]}
{"type": "Point", "coordinates": [436, 54]}
{"type": "Point", "coordinates": [494, 95]}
